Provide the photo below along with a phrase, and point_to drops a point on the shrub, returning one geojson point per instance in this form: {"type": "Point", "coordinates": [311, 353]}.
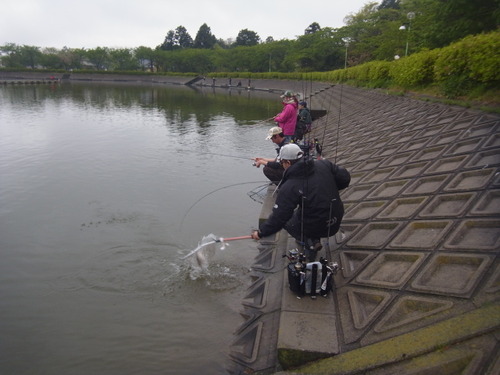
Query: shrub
{"type": "Point", "coordinates": [474, 57]}
{"type": "Point", "coordinates": [414, 70]}
{"type": "Point", "coordinates": [470, 62]}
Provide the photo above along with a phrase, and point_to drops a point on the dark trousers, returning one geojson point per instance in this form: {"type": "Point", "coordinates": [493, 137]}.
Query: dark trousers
{"type": "Point", "coordinates": [294, 228]}
{"type": "Point", "coordinates": [274, 174]}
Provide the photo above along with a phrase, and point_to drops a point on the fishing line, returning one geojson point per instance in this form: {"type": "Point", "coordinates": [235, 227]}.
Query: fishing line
{"type": "Point", "coordinates": [213, 240]}
{"type": "Point", "coordinates": [264, 121]}
{"type": "Point", "coordinates": [338, 124]}
{"type": "Point", "coordinates": [330, 216]}
{"type": "Point", "coordinates": [212, 192]}
{"type": "Point", "coordinates": [217, 154]}
{"type": "Point", "coordinates": [226, 155]}
{"type": "Point", "coordinates": [326, 119]}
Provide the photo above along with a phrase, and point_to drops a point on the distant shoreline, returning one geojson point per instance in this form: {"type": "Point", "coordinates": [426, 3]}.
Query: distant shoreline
{"type": "Point", "coordinates": [268, 85]}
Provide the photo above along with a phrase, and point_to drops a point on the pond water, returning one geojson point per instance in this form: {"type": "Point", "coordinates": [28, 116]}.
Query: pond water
{"type": "Point", "coordinates": [103, 189]}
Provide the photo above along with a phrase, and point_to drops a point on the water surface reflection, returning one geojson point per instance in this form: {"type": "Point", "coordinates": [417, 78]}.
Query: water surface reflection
{"type": "Point", "coordinates": [99, 199]}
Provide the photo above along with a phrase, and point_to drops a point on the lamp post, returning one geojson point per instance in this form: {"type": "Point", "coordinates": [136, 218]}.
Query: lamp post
{"type": "Point", "coordinates": [410, 16]}
{"type": "Point", "coordinates": [346, 41]}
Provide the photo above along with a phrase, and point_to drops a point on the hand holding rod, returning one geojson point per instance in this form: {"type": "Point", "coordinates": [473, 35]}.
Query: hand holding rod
{"type": "Point", "coordinates": [233, 238]}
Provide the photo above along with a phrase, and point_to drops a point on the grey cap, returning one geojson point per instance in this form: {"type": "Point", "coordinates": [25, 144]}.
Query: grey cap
{"type": "Point", "coordinates": [287, 94]}
{"type": "Point", "coordinates": [290, 152]}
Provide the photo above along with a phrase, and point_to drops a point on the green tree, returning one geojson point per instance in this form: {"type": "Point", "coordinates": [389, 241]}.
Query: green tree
{"type": "Point", "coordinates": [122, 59]}
{"type": "Point", "coordinates": [169, 42]}
{"type": "Point", "coordinates": [312, 28]}
{"type": "Point", "coordinates": [179, 38]}
{"type": "Point", "coordinates": [99, 57]}
{"type": "Point", "coordinates": [11, 57]}
{"type": "Point", "coordinates": [146, 57]}
{"type": "Point", "coordinates": [196, 61]}
{"type": "Point", "coordinates": [444, 22]}
{"type": "Point", "coordinates": [319, 51]}
{"type": "Point", "coordinates": [51, 59]}
{"type": "Point", "coordinates": [183, 38]}
{"type": "Point", "coordinates": [204, 38]}
{"type": "Point", "coordinates": [30, 56]}
{"type": "Point", "coordinates": [389, 4]}
{"type": "Point", "coordinates": [223, 43]}
{"type": "Point", "coordinates": [360, 28]}
{"type": "Point", "coordinates": [74, 57]}
{"type": "Point", "coordinates": [247, 38]}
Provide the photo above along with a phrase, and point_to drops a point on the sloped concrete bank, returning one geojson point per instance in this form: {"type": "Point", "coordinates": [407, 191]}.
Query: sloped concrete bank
{"type": "Point", "coordinates": [419, 286]}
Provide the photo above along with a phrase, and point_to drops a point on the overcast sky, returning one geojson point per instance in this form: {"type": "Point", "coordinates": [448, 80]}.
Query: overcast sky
{"type": "Point", "coordinates": [134, 23]}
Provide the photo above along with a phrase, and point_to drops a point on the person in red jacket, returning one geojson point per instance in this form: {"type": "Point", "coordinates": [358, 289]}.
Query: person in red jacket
{"type": "Point", "coordinates": [287, 119]}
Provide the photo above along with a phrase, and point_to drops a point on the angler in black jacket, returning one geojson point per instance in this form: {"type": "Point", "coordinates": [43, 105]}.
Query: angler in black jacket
{"type": "Point", "coordinates": [308, 204]}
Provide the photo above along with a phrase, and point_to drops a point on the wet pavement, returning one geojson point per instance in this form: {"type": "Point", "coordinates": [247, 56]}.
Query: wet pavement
{"type": "Point", "coordinates": [419, 284]}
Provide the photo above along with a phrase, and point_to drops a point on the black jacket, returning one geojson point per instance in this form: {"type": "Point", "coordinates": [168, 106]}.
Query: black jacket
{"type": "Point", "coordinates": [311, 186]}
{"type": "Point", "coordinates": [275, 164]}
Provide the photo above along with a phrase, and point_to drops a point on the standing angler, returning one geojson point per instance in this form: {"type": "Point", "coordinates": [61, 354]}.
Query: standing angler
{"type": "Point", "coordinates": [308, 204]}
{"type": "Point", "coordinates": [287, 118]}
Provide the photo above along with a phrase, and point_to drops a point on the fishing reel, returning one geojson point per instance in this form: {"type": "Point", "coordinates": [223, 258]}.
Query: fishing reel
{"type": "Point", "coordinates": [312, 149]}
{"type": "Point", "coordinates": [295, 256]}
{"type": "Point", "coordinates": [300, 260]}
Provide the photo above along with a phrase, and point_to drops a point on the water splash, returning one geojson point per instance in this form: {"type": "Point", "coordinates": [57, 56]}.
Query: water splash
{"type": "Point", "coordinates": [206, 240]}
{"type": "Point", "coordinates": [202, 255]}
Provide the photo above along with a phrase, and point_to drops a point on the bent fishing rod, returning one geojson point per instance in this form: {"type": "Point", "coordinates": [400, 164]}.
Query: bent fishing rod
{"type": "Point", "coordinates": [212, 192]}
{"type": "Point", "coordinates": [216, 240]}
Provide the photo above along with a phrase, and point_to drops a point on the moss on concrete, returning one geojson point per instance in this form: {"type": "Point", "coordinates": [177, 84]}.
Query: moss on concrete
{"type": "Point", "coordinates": [410, 345]}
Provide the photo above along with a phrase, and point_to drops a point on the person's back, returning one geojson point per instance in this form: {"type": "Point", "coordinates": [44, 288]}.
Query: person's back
{"type": "Point", "coordinates": [322, 203]}
{"type": "Point", "coordinates": [308, 204]}
{"type": "Point", "coordinates": [304, 121]}
{"type": "Point", "coordinates": [318, 182]}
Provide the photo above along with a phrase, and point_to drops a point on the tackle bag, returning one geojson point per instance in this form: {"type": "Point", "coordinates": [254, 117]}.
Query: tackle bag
{"type": "Point", "coordinates": [313, 278]}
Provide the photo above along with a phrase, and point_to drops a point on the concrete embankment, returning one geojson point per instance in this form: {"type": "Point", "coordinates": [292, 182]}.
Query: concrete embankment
{"type": "Point", "coordinates": [270, 85]}
{"type": "Point", "coordinates": [419, 286]}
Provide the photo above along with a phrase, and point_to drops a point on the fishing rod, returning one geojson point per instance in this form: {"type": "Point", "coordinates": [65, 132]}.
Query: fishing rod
{"type": "Point", "coordinates": [218, 154]}
{"type": "Point", "coordinates": [210, 193]}
{"type": "Point", "coordinates": [247, 237]}
{"type": "Point", "coordinates": [226, 155]}
{"type": "Point", "coordinates": [266, 120]}
{"type": "Point", "coordinates": [216, 240]}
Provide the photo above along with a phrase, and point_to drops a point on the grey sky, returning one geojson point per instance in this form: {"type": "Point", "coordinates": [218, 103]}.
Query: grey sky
{"type": "Point", "coordinates": [134, 23]}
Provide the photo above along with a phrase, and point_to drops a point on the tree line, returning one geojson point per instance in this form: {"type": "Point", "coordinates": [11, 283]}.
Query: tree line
{"type": "Point", "coordinates": [378, 31]}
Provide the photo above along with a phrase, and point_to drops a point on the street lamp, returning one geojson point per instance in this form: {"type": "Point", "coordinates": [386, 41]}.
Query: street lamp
{"type": "Point", "coordinates": [346, 41]}
{"type": "Point", "coordinates": [410, 16]}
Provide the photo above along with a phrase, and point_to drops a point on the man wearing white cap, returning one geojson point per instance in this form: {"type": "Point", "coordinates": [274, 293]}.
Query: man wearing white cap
{"type": "Point", "coordinates": [272, 168]}
{"type": "Point", "coordinates": [308, 204]}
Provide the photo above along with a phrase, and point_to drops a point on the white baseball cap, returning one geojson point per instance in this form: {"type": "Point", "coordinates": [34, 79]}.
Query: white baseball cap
{"type": "Point", "coordinates": [290, 152]}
